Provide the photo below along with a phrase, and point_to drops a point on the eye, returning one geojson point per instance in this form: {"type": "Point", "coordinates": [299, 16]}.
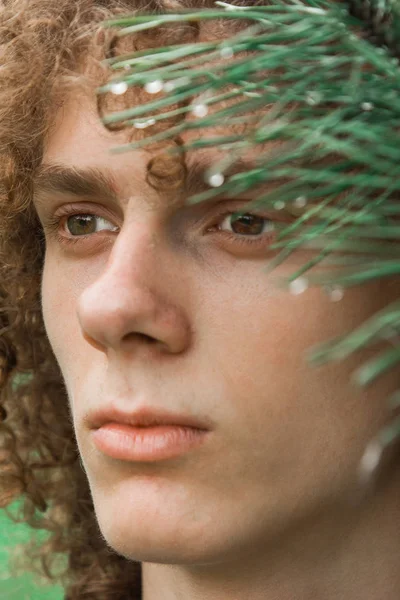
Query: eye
{"type": "Point", "coordinates": [247, 224]}
{"type": "Point", "coordinates": [77, 225]}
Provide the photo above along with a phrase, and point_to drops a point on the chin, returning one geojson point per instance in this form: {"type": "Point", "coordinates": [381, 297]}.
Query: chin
{"type": "Point", "coordinates": [163, 543]}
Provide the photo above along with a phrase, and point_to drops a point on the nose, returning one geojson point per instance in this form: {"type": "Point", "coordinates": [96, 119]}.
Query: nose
{"type": "Point", "coordinates": [134, 302]}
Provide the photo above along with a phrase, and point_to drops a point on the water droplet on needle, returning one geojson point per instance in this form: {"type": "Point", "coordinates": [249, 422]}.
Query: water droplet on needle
{"type": "Point", "coordinates": [298, 286]}
{"type": "Point", "coordinates": [153, 87]}
{"type": "Point", "coordinates": [119, 88]}
{"type": "Point", "coordinates": [216, 180]}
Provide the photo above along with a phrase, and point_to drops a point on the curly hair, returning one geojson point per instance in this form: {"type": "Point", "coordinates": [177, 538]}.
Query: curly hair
{"type": "Point", "coordinates": [43, 44]}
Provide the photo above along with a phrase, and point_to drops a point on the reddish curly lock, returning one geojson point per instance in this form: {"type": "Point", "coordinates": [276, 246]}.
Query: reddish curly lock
{"type": "Point", "coordinates": [43, 45]}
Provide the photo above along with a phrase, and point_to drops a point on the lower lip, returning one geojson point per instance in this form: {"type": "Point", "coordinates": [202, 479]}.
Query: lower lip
{"type": "Point", "coordinates": [146, 444]}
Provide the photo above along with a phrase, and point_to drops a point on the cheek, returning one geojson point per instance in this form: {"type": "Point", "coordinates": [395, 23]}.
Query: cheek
{"type": "Point", "coordinates": [50, 302]}
{"type": "Point", "coordinates": [59, 311]}
{"type": "Point", "coordinates": [261, 339]}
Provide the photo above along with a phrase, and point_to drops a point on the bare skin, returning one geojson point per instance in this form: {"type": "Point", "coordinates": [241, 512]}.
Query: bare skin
{"type": "Point", "coordinates": [271, 506]}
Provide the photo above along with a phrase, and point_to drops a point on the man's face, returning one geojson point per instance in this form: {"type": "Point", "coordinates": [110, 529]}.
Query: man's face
{"type": "Point", "coordinates": [168, 306]}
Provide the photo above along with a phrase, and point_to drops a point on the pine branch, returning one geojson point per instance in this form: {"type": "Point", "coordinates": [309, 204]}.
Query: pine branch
{"type": "Point", "coordinates": [331, 77]}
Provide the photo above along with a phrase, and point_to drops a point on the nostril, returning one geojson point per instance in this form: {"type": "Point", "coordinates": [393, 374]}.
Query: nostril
{"type": "Point", "coordinates": [141, 336]}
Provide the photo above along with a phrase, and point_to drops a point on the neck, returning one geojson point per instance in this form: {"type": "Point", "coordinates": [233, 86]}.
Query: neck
{"type": "Point", "coordinates": [348, 552]}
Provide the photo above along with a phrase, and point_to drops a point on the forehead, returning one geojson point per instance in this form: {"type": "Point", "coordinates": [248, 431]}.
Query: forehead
{"type": "Point", "coordinates": [77, 137]}
{"type": "Point", "coordinates": [78, 140]}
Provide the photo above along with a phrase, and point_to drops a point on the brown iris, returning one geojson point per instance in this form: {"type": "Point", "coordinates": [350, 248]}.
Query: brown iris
{"type": "Point", "coordinates": [81, 224]}
{"type": "Point", "coordinates": [247, 224]}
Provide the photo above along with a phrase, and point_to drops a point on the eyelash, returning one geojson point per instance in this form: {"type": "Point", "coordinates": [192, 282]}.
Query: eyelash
{"type": "Point", "coordinates": [52, 227]}
{"type": "Point", "coordinates": [254, 241]}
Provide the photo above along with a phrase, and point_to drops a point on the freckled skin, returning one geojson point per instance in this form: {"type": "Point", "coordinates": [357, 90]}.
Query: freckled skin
{"type": "Point", "coordinates": [263, 507]}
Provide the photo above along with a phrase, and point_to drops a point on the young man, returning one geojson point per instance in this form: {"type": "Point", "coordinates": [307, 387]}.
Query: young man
{"type": "Point", "coordinates": [160, 313]}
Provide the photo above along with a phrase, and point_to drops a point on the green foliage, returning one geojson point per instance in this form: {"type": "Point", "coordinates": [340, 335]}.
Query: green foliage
{"type": "Point", "coordinates": [330, 75]}
{"type": "Point", "coordinates": [19, 586]}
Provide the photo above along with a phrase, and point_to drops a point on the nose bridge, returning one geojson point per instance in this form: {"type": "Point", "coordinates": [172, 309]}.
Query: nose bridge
{"type": "Point", "coordinates": [133, 258]}
{"type": "Point", "coordinates": [131, 298]}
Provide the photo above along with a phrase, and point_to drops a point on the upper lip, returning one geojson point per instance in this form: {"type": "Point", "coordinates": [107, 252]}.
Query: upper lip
{"type": "Point", "coordinates": [144, 417]}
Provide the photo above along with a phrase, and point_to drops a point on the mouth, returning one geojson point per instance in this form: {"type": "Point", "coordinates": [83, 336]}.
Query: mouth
{"type": "Point", "coordinates": [145, 416]}
{"type": "Point", "coordinates": [146, 435]}
{"type": "Point", "coordinates": [147, 444]}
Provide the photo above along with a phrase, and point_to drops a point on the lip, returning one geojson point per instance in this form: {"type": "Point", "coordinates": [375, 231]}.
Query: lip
{"type": "Point", "coordinates": [146, 444]}
{"type": "Point", "coordinates": [145, 416]}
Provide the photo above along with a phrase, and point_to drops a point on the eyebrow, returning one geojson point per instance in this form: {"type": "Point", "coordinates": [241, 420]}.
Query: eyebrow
{"type": "Point", "coordinates": [95, 183]}
{"type": "Point", "coordinates": [91, 182]}
{"type": "Point", "coordinates": [196, 180]}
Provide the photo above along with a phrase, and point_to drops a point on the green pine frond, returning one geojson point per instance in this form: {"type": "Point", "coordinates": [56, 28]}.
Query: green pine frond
{"type": "Point", "coordinates": [331, 77]}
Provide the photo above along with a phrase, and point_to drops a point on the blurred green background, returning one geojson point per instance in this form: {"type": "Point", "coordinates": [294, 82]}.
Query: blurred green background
{"type": "Point", "coordinates": [19, 588]}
